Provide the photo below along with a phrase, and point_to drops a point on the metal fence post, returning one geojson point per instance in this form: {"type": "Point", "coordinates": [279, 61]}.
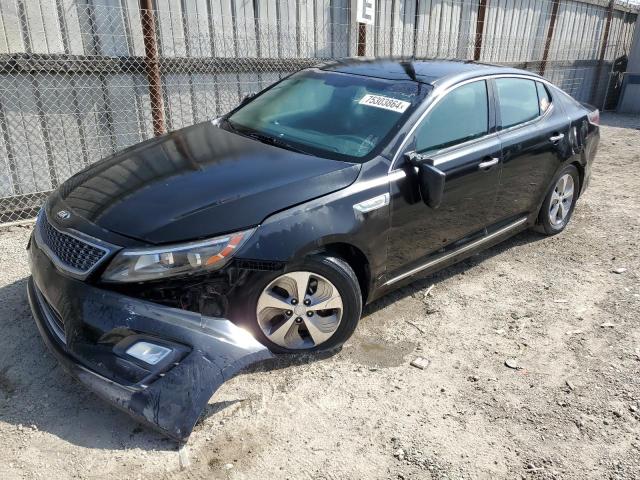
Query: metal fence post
{"type": "Point", "coordinates": [482, 10]}
{"type": "Point", "coordinates": [362, 40]}
{"type": "Point", "coordinates": [152, 66]}
{"type": "Point", "coordinates": [547, 43]}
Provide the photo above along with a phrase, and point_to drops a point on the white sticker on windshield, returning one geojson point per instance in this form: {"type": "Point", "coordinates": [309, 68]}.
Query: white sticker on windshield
{"type": "Point", "coordinates": [387, 103]}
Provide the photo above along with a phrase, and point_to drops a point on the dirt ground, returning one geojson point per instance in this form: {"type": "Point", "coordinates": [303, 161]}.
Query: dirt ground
{"type": "Point", "coordinates": [553, 307]}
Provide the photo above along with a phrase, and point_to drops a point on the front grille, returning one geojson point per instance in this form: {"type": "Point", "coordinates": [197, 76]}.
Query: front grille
{"type": "Point", "coordinates": [70, 252]}
{"type": "Point", "coordinates": [53, 318]}
{"type": "Point", "coordinates": [260, 265]}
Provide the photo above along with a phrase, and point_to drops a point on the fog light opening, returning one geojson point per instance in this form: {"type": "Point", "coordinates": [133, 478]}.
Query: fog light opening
{"type": "Point", "coordinates": [148, 352]}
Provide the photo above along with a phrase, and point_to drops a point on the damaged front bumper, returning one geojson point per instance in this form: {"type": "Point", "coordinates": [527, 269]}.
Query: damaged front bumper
{"type": "Point", "coordinates": [90, 330]}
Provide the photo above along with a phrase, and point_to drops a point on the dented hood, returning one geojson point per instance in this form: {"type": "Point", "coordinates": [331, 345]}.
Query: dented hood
{"type": "Point", "coordinates": [197, 182]}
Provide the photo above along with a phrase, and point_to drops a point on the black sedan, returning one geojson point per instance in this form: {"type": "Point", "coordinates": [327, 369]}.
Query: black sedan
{"type": "Point", "coordinates": [285, 216]}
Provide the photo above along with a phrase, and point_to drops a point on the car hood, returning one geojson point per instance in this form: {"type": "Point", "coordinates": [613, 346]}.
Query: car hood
{"type": "Point", "coordinates": [197, 182]}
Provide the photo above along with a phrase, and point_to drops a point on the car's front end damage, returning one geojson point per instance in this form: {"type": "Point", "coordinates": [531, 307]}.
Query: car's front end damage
{"type": "Point", "coordinates": [136, 265]}
{"type": "Point", "coordinates": [158, 363]}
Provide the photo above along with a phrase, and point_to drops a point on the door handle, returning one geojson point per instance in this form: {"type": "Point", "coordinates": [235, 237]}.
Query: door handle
{"type": "Point", "coordinates": [556, 138]}
{"type": "Point", "coordinates": [487, 164]}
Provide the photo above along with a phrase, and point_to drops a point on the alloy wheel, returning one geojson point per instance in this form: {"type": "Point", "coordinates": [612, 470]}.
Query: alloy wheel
{"type": "Point", "coordinates": [561, 200]}
{"type": "Point", "coordinates": [299, 310]}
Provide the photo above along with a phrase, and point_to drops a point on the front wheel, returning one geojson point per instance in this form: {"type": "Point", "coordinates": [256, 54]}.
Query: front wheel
{"type": "Point", "coordinates": [560, 201]}
{"type": "Point", "coordinates": [314, 305]}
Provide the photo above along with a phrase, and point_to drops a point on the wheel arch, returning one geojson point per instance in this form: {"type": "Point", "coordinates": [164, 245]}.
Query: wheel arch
{"type": "Point", "coordinates": [581, 174]}
{"type": "Point", "coordinates": [356, 259]}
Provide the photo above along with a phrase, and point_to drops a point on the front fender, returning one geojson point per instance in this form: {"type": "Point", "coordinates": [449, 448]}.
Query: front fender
{"type": "Point", "coordinates": [298, 231]}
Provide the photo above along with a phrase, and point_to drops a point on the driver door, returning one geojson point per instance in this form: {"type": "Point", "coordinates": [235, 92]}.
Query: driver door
{"type": "Point", "coordinates": [457, 135]}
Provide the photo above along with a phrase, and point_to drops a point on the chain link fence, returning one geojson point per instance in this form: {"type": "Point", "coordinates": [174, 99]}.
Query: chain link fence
{"type": "Point", "coordinates": [82, 79]}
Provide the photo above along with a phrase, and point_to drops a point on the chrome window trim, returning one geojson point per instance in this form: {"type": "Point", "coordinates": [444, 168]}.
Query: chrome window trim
{"type": "Point", "coordinates": [107, 248]}
{"type": "Point", "coordinates": [364, 185]}
{"type": "Point", "coordinates": [439, 95]}
{"type": "Point", "coordinates": [489, 136]}
{"type": "Point", "coordinates": [452, 148]}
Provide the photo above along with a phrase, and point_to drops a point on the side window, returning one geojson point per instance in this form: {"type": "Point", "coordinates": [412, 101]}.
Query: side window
{"type": "Point", "coordinates": [518, 100]}
{"type": "Point", "coordinates": [461, 115]}
{"type": "Point", "coordinates": [544, 99]}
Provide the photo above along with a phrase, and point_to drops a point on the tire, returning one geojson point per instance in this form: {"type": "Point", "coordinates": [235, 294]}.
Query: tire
{"type": "Point", "coordinates": [272, 325]}
{"type": "Point", "coordinates": [550, 223]}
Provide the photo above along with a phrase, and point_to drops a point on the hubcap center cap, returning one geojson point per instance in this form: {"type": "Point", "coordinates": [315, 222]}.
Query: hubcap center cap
{"type": "Point", "coordinates": [299, 310]}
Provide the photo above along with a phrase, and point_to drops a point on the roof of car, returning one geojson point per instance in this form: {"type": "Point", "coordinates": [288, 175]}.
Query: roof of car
{"type": "Point", "coordinates": [425, 71]}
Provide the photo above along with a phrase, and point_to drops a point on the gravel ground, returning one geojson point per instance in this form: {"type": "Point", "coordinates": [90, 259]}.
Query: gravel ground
{"type": "Point", "coordinates": [551, 307]}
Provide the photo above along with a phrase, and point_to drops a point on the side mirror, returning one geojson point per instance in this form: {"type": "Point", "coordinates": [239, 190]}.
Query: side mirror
{"type": "Point", "coordinates": [430, 179]}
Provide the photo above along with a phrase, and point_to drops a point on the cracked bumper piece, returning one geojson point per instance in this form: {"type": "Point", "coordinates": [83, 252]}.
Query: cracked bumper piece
{"type": "Point", "coordinates": [91, 332]}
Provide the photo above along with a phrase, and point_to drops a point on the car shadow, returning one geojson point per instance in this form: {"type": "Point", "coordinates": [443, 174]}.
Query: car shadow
{"type": "Point", "coordinates": [37, 395]}
{"type": "Point", "coordinates": [522, 238]}
{"type": "Point", "coordinates": [285, 361]}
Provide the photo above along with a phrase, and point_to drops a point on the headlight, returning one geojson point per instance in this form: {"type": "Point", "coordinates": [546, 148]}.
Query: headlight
{"type": "Point", "coordinates": [136, 265]}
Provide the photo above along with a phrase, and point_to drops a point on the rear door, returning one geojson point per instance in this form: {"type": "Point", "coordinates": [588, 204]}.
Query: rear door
{"type": "Point", "coordinates": [534, 133]}
{"type": "Point", "coordinates": [457, 135]}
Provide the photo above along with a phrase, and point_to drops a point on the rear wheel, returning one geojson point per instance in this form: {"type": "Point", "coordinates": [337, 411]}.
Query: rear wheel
{"type": "Point", "coordinates": [560, 201]}
{"type": "Point", "coordinates": [314, 305]}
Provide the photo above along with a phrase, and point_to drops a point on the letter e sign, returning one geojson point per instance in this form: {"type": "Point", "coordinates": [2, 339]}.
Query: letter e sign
{"type": "Point", "coordinates": [366, 11]}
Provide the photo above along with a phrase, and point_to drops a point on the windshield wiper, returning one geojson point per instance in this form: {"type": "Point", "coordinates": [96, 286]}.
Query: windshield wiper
{"type": "Point", "coordinates": [261, 137]}
{"type": "Point", "coordinates": [275, 141]}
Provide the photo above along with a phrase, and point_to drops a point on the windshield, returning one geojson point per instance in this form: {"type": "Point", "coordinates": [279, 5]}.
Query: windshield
{"type": "Point", "coordinates": [340, 116]}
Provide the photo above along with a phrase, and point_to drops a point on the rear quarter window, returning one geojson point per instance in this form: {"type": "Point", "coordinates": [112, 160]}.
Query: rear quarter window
{"type": "Point", "coordinates": [544, 99]}
{"type": "Point", "coordinates": [518, 101]}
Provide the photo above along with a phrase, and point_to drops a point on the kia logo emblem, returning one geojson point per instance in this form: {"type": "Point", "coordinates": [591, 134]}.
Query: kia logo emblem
{"type": "Point", "coordinates": [63, 215]}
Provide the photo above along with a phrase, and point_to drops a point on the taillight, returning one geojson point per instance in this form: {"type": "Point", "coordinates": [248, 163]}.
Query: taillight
{"type": "Point", "coordinates": [594, 117]}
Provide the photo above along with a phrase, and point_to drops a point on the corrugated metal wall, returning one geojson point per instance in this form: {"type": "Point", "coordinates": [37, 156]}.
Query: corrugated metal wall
{"type": "Point", "coordinates": [630, 91]}
{"type": "Point", "coordinates": [74, 89]}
